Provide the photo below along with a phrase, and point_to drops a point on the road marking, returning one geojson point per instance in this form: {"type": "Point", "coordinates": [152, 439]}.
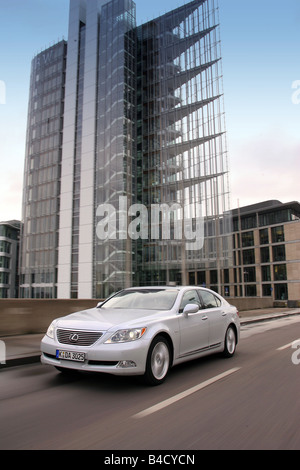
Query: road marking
{"type": "Point", "coordinates": [286, 346]}
{"type": "Point", "coordinates": [180, 396]}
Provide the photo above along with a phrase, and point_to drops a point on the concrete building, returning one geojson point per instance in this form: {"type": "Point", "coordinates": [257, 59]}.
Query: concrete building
{"type": "Point", "coordinates": [267, 251]}
{"type": "Point", "coordinates": [9, 259]}
{"type": "Point", "coordinates": [266, 254]}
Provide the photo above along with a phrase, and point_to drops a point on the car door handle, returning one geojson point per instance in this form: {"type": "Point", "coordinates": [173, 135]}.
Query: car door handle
{"type": "Point", "coordinates": [224, 314]}
{"type": "Point", "coordinates": [205, 317]}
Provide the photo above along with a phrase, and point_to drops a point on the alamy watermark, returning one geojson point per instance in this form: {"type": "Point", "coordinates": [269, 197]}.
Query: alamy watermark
{"type": "Point", "coordinates": [296, 94]}
{"type": "Point", "coordinates": [2, 353]}
{"type": "Point", "coordinates": [296, 354]}
{"type": "Point", "coordinates": [159, 222]}
{"type": "Point", "coordinates": [2, 92]}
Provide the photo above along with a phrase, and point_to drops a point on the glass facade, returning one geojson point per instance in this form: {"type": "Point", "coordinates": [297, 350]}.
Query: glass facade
{"type": "Point", "coordinates": [115, 139]}
{"type": "Point", "coordinates": [122, 120]}
{"type": "Point", "coordinates": [181, 151]}
{"type": "Point", "coordinates": [77, 163]}
{"type": "Point", "coordinates": [38, 274]}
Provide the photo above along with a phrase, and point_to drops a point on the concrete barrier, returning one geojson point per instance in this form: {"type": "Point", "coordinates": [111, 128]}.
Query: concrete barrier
{"type": "Point", "coordinates": [251, 303]}
{"type": "Point", "coordinates": [32, 316]}
{"type": "Point", "coordinates": [28, 316]}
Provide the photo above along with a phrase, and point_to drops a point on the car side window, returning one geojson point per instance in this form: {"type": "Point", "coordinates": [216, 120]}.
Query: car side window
{"type": "Point", "coordinates": [209, 300]}
{"type": "Point", "coordinates": [190, 297]}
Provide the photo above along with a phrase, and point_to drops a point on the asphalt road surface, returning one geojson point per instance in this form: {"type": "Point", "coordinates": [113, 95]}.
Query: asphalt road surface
{"type": "Point", "coordinates": [251, 401]}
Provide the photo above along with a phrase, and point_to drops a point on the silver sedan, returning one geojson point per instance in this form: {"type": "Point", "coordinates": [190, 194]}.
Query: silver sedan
{"type": "Point", "coordinates": [143, 331]}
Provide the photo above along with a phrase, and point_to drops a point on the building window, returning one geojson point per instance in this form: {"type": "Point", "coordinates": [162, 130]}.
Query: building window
{"type": "Point", "coordinates": [201, 278]}
{"type": "Point", "coordinates": [4, 278]}
{"type": "Point", "coordinates": [280, 272]}
{"type": "Point", "coordinates": [277, 234]}
{"type": "Point", "coordinates": [214, 277]}
{"type": "Point", "coordinates": [5, 247]}
{"type": "Point", "coordinates": [264, 236]}
{"type": "Point", "coordinates": [250, 290]}
{"type": "Point", "coordinates": [266, 290]}
{"type": "Point", "coordinates": [265, 255]}
{"type": "Point", "coordinates": [248, 257]}
{"type": "Point", "coordinates": [192, 279]}
{"type": "Point", "coordinates": [3, 293]}
{"type": "Point", "coordinates": [4, 262]}
{"type": "Point", "coordinates": [250, 275]}
{"type": "Point", "coordinates": [281, 291]}
{"type": "Point", "coordinates": [247, 239]}
{"type": "Point", "coordinates": [248, 222]}
{"type": "Point", "coordinates": [279, 253]}
{"type": "Point", "coordinates": [276, 217]}
{"type": "Point", "coordinates": [266, 273]}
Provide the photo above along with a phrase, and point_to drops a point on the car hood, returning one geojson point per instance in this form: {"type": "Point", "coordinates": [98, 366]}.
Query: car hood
{"type": "Point", "coordinates": [105, 319]}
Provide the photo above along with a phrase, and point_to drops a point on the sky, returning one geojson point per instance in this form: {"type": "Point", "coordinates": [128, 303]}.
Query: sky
{"type": "Point", "coordinates": [261, 80]}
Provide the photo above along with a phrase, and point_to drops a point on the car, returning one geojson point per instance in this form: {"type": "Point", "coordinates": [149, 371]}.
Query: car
{"type": "Point", "coordinates": [143, 331]}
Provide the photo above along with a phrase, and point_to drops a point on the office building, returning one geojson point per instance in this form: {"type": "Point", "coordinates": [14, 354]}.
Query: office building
{"type": "Point", "coordinates": [266, 255]}
{"type": "Point", "coordinates": [136, 125]}
{"type": "Point", "coordinates": [9, 259]}
{"type": "Point", "coordinates": [41, 193]}
{"type": "Point", "coordinates": [266, 242]}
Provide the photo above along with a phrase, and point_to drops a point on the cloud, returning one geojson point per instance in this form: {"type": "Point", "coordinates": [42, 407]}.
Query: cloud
{"type": "Point", "coordinates": [265, 167]}
{"type": "Point", "coordinates": [11, 184]}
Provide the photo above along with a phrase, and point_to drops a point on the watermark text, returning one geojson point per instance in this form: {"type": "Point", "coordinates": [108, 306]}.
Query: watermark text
{"type": "Point", "coordinates": [159, 222]}
{"type": "Point", "coordinates": [296, 354]}
{"type": "Point", "coordinates": [2, 92]}
{"type": "Point", "coordinates": [296, 94]}
{"type": "Point", "coordinates": [2, 353]}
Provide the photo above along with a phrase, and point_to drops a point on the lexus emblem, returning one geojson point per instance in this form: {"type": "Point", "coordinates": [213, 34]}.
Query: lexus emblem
{"type": "Point", "coordinates": [74, 337]}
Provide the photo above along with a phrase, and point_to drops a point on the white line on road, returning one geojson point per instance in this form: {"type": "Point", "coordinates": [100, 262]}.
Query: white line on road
{"type": "Point", "coordinates": [286, 346]}
{"type": "Point", "coordinates": [180, 396]}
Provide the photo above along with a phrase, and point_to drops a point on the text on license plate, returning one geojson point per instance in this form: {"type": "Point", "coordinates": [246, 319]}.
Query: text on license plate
{"type": "Point", "coordinates": [70, 355]}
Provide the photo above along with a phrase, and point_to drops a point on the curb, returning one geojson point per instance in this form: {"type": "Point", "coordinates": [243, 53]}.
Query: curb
{"type": "Point", "coordinates": [275, 316]}
{"type": "Point", "coordinates": [21, 361]}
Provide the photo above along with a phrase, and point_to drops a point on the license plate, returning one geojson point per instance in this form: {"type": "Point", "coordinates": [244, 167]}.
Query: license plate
{"type": "Point", "coordinates": [70, 355]}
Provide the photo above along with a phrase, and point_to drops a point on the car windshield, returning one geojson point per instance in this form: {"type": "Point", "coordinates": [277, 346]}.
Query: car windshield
{"type": "Point", "coordinates": [154, 299]}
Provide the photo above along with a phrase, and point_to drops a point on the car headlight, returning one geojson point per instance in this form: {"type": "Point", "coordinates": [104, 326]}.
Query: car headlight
{"type": "Point", "coordinates": [50, 331]}
{"type": "Point", "coordinates": [125, 336]}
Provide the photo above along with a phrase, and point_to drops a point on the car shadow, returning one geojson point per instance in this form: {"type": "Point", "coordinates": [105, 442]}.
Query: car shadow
{"type": "Point", "coordinates": [94, 380]}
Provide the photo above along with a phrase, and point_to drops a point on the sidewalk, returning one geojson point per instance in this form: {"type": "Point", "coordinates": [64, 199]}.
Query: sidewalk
{"type": "Point", "coordinates": [26, 349]}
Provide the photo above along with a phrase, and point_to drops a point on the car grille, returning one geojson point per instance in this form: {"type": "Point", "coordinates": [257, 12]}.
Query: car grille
{"type": "Point", "coordinates": [78, 337]}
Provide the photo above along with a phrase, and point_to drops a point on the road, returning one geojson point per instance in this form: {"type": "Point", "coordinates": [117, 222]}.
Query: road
{"type": "Point", "coordinates": [251, 401]}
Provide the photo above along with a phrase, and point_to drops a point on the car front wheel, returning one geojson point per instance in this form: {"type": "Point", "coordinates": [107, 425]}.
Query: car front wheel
{"type": "Point", "coordinates": [158, 361]}
{"type": "Point", "coordinates": [230, 342]}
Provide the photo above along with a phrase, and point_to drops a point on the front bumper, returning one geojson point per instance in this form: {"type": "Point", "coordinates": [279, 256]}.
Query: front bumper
{"type": "Point", "coordinates": [117, 359]}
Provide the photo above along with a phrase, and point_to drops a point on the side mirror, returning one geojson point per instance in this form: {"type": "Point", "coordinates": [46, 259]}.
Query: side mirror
{"type": "Point", "coordinates": [99, 304]}
{"type": "Point", "coordinates": [190, 308]}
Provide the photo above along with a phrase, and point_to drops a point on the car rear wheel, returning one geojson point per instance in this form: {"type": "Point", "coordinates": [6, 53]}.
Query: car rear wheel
{"type": "Point", "coordinates": [158, 361]}
{"type": "Point", "coordinates": [230, 342]}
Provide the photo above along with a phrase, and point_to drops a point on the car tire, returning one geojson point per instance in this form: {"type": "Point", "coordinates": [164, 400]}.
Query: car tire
{"type": "Point", "coordinates": [158, 361]}
{"type": "Point", "coordinates": [229, 342]}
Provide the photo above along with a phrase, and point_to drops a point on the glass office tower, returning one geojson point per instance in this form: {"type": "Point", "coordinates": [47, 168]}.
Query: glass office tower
{"type": "Point", "coordinates": [115, 140]}
{"type": "Point", "coordinates": [41, 194]}
{"type": "Point", "coordinates": [181, 150]}
{"type": "Point", "coordinates": [142, 131]}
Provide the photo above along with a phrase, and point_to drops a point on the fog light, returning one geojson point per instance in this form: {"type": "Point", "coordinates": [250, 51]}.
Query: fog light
{"type": "Point", "coordinates": [125, 364]}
